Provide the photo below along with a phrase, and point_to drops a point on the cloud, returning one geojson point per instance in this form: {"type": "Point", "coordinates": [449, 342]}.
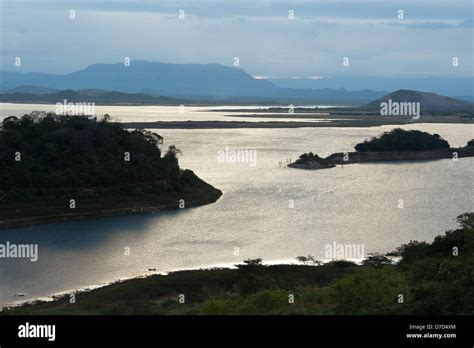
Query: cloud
{"type": "Point", "coordinates": [429, 25]}
{"type": "Point", "coordinates": [467, 23]}
{"type": "Point", "coordinates": [266, 41]}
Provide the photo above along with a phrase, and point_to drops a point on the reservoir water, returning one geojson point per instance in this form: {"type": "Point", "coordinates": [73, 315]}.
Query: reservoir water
{"type": "Point", "coordinates": [267, 211]}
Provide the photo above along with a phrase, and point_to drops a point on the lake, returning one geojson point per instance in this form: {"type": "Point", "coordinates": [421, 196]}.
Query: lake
{"type": "Point", "coordinates": [267, 211]}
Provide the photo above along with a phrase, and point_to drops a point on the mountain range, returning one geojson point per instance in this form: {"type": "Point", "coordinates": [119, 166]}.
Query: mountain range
{"type": "Point", "coordinates": [458, 87]}
{"type": "Point", "coordinates": [163, 83]}
{"type": "Point", "coordinates": [429, 102]}
{"type": "Point", "coordinates": [210, 82]}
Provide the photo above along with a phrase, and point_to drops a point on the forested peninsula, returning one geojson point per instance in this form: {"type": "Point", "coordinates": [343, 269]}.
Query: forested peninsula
{"type": "Point", "coordinates": [71, 167]}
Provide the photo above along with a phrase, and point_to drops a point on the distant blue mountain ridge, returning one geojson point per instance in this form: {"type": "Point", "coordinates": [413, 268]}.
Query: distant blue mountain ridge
{"type": "Point", "coordinates": [448, 86]}
{"type": "Point", "coordinates": [190, 81]}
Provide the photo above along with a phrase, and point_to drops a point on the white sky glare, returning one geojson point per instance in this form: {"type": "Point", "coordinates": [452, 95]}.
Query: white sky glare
{"type": "Point", "coordinates": [260, 33]}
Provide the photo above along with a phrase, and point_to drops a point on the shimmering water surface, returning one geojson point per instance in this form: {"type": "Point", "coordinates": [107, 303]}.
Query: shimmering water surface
{"type": "Point", "coordinates": [356, 204]}
{"type": "Point", "coordinates": [164, 113]}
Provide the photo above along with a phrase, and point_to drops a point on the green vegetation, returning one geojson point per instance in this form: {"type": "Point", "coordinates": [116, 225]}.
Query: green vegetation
{"type": "Point", "coordinates": [49, 159]}
{"type": "Point", "coordinates": [403, 140]}
{"type": "Point", "coordinates": [70, 155]}
{"type": "Point", "coordinates": [311, 161]}
{"type": "Point", "coordinates": [434, 278]}
{"type": "Point", "coordinates": [311, 157]}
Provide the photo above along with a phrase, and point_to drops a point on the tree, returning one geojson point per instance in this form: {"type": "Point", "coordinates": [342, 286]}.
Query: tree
{"type": "Point", "coordinates": [253, 262]}
{"type": "Point", "coordinates": [308, 260]}
{"type": "Point", "coordinates": [377, 260]}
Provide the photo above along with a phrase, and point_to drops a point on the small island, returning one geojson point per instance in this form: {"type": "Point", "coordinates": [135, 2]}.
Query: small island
{"type": "Point", "coordinates": [58, 168]}
{"type": "Point", "coordinates": [396, 145]}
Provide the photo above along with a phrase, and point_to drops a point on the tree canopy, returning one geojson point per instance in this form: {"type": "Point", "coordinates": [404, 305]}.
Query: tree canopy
{"type": "Point", "coordinates": [402, 140]}
{"type": "Point", "coordinates": [45, 154]}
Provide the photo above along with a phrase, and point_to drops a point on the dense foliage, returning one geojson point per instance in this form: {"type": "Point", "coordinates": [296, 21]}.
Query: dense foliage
{"type": "Point", "coordinates": [402, 140]}
{"type": "Point", "coordinates": [433, 278]}
{"type": "Point", "coordinates": [310, 157]}
{"type": "Point", "coordinates": [49, 156]}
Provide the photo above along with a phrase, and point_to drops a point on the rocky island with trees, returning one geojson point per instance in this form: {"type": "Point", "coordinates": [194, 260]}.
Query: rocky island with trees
{"type": "Point", "coordinates": [70, 167]}
{"type": "Point", "coordinates": [395, 145]}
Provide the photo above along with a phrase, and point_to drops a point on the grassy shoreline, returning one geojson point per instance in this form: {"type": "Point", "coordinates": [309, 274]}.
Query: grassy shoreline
{"type": "Point", "coordinates": [431, 278]}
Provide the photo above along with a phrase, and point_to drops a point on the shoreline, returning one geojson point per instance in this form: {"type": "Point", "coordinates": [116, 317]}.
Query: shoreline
{"type": "Point", "coordinates": [90, 288]}
{"type": "Point", "coordinates": [113, 284]}
{"type": "Point", "coordinates": [21, 214]}
{"type": "Point", "coordinates": [152, 273]}
{"type": "Point", "coordinates": [254, 287]}
{"type": "Point", "coordinates": [91, 213]}
{"type": "Point", "coordinates": [283, 124]}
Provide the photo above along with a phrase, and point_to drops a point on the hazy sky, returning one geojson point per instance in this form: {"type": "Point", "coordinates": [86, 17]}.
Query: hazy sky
{"type": "Point", "coordinates": [260, 33]}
